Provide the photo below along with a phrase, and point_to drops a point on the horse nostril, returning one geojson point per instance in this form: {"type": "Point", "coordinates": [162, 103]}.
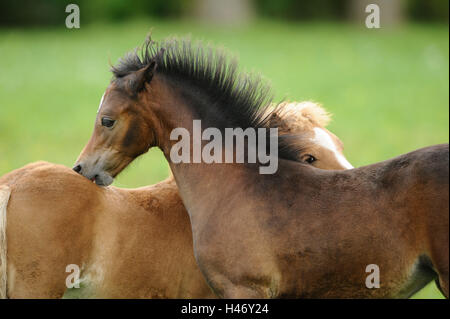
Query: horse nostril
{"type": "Point", "coordinates": [77, 169]}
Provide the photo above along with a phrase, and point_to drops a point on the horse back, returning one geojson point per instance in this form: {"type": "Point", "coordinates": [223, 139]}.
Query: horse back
{"type": "Point", "coordinates": [49, 225]}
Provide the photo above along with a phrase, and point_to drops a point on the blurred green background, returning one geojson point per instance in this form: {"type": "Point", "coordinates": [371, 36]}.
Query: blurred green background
{"type": "Point", "coordinates": [387, 88]}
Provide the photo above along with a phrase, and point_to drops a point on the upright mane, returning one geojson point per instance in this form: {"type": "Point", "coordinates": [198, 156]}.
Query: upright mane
{"type": "Point", "coordinates": [243, 99]}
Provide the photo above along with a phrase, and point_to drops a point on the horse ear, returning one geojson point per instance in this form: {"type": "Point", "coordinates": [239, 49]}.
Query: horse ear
{"type": "Point", "coordinates": [142, 76]}
{"type": "Point", "coordinates": [274, 119]}
{"type": "Point", "coordinates": [277, 119]}
{"type": "Point", "coordinates": [149, 70]}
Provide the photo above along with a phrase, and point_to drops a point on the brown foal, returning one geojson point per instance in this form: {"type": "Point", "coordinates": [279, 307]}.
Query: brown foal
{"type": "Point", "coordinates": [300, 232]}
{"type": "Point", "coordinates": [57, 218]}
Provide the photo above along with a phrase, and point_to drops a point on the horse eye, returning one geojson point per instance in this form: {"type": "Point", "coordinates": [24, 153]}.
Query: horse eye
{"type": "Point", "coordinates": [107, 122]}
{"type": "Point", "coordinates": [309, 159]}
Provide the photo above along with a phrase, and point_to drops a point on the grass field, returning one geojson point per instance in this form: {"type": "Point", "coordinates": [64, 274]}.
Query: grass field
{"type": "Point", "coordinates": [388, 89]}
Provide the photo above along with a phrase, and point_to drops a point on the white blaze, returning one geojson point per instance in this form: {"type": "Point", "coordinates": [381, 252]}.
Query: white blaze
{"type": "Point", "coordinates": [101, 102]}
{"type": "Point", "coordinates": [324, 139]}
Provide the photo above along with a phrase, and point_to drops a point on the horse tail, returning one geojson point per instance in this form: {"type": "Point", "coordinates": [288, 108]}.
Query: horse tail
{"type": "Point", "coordinates": [5, 192]}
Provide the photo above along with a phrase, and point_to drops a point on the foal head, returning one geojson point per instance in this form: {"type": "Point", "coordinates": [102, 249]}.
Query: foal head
{"type": "Point", "coordinates": [316, 145]}
{"type": "Point", "coordinates": [169, 85]}
{"type": "Point", "coordinates": [121, 131]}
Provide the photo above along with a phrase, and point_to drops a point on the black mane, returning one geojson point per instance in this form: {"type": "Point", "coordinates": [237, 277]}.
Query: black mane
{"type": "Point", "coordinates": [243, 98]}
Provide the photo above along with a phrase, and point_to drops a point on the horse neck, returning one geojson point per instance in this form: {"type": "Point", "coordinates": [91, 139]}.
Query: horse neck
{"type": "Point", "coordinates": [193, 179]}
